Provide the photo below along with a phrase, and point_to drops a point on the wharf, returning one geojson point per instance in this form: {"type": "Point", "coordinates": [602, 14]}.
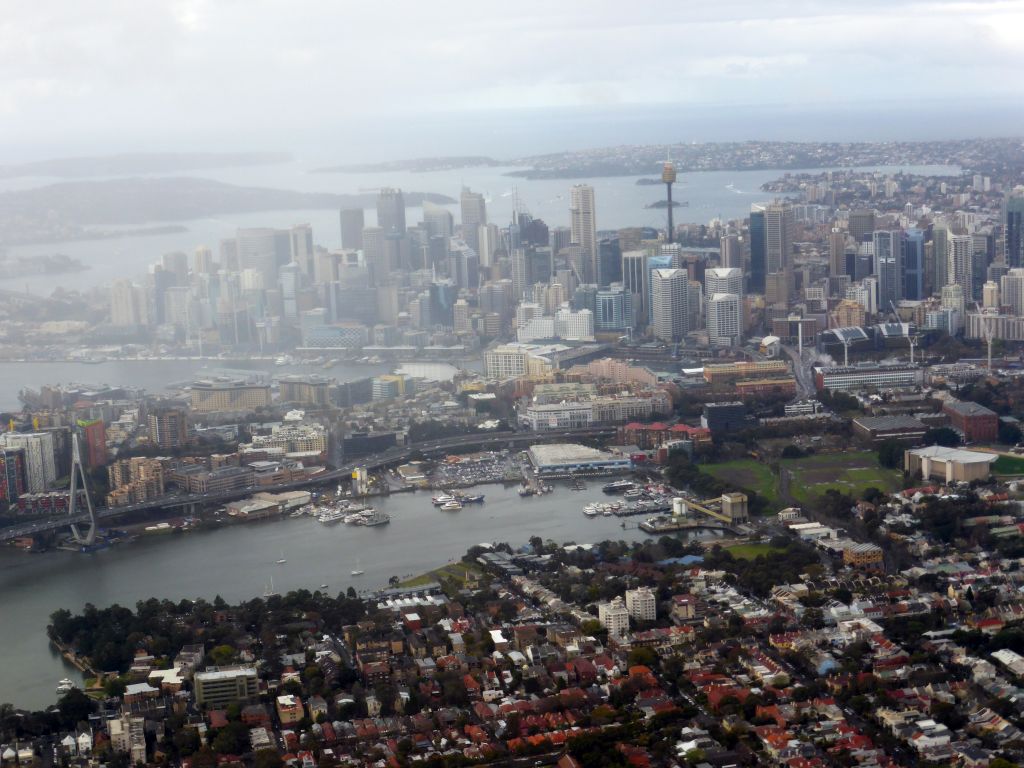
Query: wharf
{"type": "Point", "coordinates": [658, 525]}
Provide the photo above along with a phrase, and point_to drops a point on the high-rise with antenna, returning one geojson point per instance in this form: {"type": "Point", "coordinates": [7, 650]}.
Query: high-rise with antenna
{"type": "Point", "coordinates": [668, 177]}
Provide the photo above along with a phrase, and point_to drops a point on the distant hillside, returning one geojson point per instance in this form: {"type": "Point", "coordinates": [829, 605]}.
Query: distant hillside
{"type": "Point", "coordinates": [74, 209]}
{"type": "Point", "coordinates": [133, 163]}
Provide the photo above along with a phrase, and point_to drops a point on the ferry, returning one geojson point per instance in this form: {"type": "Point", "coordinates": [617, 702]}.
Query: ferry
{"type": "Point", "coordinates": [636, 493]}
{"type": "Point", "coordinates": [618, 486]}
{"type": "Point", "coordinates": [372, 517]}
{"type": "Point", "coordinates": [65, 686]}
{"type": "Point", "coordinates": [441, 499]}
{"type": "Point", "coordinates": [332, 516]}
{"type": "Point", "coordinates": [476, 499]}
{"type": "Point", "coordinates": [526, 491]}
{"type": "Point", "coordinates": [451, 506]}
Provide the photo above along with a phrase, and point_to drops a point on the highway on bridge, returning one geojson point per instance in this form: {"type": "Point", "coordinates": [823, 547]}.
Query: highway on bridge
{"type": "Point", "coordinates": [376, 461]}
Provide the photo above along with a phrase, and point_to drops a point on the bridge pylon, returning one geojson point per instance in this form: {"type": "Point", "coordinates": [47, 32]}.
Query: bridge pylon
{"type": "Point", "coordinates": [78, 483]}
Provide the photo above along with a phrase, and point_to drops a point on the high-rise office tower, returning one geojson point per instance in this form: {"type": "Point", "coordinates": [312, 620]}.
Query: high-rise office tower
{"type": "Point", "coordinates": [730, 251]}
{"type": "Point", "coordinates": [39, 458]}
{"type": "Point", "coordinates": [614, 309]}
{"type": "Point", "coordinates": [913, 264]}
{"type": "Point", "coordinates": [609, 261]}
{"type": "Point", "coordinates": [1014, 235]}
{"type": "Point", "coordinates": [758, 249]}
{"type": "Point", "coordinates": [374, 254]}
{"type": "Point", "coordinates": [257, 250]}
{"type": "Point", "coordinates": [301, 236]}
{"type": "Point", "coordinates": [668, 178]}
{"type": "Point", "coordinates": [474, 215]}
{"type": "Point", "coordinates": [175, 264]}
{"type": "Point", "coordinates": [940, 255]}
{"type": "Point", "coordinates": [670, 315]}
{"type": "Point", "coordinates": [778, 220]}
{"type": "Point", "coordinates": [961, 264]}
{"type": "Point", "coordinates": [202, 261]}
{"type": "Point", "coordinates": [634, 268]}
{"type": "Point", "coordinates": [352, 223]}
{"type": "Point", "coordinates": [438, 220]}
{"type": "Point", "coordinates": [560, 238]}
{"type": "Point", "coordinates": [127, 305]}
{"type": "Point", "coordinates": [490, 239]}
{"type": "Point", "coordinates": [725, 325]}
{"type": "Point", "coordinates": [861, 224]}
{"type": "Point", "coordinates": [837, 253]}
{"type": "Point", "coordinates": [584, 228]}
{"type": "Point", "coordinates": [391, 211]}
{"type": "Point", "coordinates": [990, 295]}
{"type": "Point", "coordinates": [725, 281]}
{"type": "Point", "coordinates": [888, 267]}
{"type": "Point", "coordinates": [1012, 293]}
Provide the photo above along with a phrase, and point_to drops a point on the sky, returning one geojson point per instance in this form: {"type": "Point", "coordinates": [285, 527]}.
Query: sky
{"type": "Point", "coordinates": [268, 74]}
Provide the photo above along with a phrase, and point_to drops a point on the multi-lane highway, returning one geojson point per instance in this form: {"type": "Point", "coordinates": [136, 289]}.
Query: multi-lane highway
{"type": "Point", "coordinates": [386, 458]}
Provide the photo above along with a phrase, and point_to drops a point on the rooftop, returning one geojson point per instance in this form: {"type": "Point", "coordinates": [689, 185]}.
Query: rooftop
{"type": "Point", "coordinates": [967, 408]}
{"type": "Point", "coordinates": [954, 454]}
{"type": "Point", "coordinates": [564, 453]}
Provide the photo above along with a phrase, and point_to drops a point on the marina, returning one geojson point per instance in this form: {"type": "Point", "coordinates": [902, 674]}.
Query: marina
{"type": "Point", "coordinates": [238, 563]}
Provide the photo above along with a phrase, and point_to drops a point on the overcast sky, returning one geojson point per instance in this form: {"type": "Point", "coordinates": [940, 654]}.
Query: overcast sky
{"type": "Point", "coordinates": [175, 70]}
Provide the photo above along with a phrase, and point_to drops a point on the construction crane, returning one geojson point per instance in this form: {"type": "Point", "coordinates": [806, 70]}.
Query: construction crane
{"type": "Point", "coordinates": [987, 330]}
{"type": "Point", "coordinates": [911, 338]}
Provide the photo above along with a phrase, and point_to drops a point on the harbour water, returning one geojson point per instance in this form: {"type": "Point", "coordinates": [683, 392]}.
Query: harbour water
{"type": "Point", "coordinates": [239, 562]}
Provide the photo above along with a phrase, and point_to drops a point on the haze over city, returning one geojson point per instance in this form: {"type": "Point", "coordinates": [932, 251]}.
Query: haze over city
{"type": "Point", "coordinates": [586, 385]}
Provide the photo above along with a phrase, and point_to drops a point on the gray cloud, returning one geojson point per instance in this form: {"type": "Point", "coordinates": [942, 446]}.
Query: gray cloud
{"type": "Point", "coordinates": [119, 68]}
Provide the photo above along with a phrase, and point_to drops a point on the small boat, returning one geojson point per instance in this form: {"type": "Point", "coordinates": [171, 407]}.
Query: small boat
{"type": "Point", "coordinates": [526, 491]}
{"type": "Point", "coordinates": [372, 517]}
{"type": "Point", "coordinates": [607, 511]}
{"type": "Point", "coordinates": [451, 506]}
{"type": "Point", "coordinates": [358, 571]}
{"type": "Point", "coordinates": [323, 586]}
{"type": "Point", "coordinates": [269, 591]}
{"type": "Point", "coordinates": [65, 686]}
{"type": "Point", "coordinates": [441, 499]}
{"type": "Point", "coordinates": [281, 560]}
{"type": "Point", "coordinates": [590, 510]}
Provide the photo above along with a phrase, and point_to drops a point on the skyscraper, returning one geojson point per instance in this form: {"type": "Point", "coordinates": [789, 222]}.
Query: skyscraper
{"type": "Point", "coordinates": [961, 264]}
{"type": "Point", "coordinates": [778, 219]}
{"type": "Point", "coordinates": [913, 264]}
{"type": "Point", "coordinates": [584, 228]}
{"type": "Point", "coordinates": [722, 282]}
{"type": "Point", "coordinates": [257, 250]}
{"type": "Point", "coordinates": [669, 309]}
{"type": "Point", "coordinates": [438, 220]}
{"type": "Point", "coordinates": [1015, 228]}
{"type": "Point", "coordinates": [1012, 290]}
{"type": "Point", "coordinates": [837, 253]}
{"type": "Point", "coordinates": [668, 178]}
{"type": "Point", "coordinates": [352, 223]}
{"type": "Point", "coordinates": [725, 325]}
{"type": "Point", "coordinates": [474, 215]}
{"type": "Point", "coordinates": [730, 252]}
{"type": "Point", "coordinates": [391, 211]}
{"type": "Point", "coordinates": [302, 248]}
{"type": "Point", "coordinates": [609, 261]}
{"type": "Point", "coordinates": [758, 248]}
{"type": "Point", "coordinates": [940, 255]}
{"type": "Point", "coordinates": [634, 281]}
{"type": "Point", "coordinates": [861, 224]}
{"type": "Point", "coordinates": [888, 267]}
{"type": "Point", "coordinates": [374, 254]}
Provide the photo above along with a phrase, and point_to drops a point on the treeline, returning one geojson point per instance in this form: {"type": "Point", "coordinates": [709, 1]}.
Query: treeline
{"type": "Point", "coordinates": [110, 637]}
{"type": "Point", "coordinates": [783, 564]}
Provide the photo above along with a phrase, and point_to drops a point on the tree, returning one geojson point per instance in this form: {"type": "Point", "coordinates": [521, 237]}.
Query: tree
{"type": "Point", "coordinates": [74, 706]}
{"type": "Point", "coordinates": [114, 687]}
{"type": "Point", "coordinates": [890, 454]}
{"type": "Point", "coordinates": [944, 436]}
{"type": "Point", "coordinates": [1009, 434]}
{"type": "Point", "coordinates": [792, 452]}
{"type": "Point", "coordinates": [645, 657]}
{"type": "Point", "coordinates": [267, 758]}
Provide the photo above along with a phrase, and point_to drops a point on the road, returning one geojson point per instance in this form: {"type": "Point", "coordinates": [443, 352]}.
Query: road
{"type": "Point", "coordinates": [391, 456]}
{"type": "Point", "coordinates": [802, 371]}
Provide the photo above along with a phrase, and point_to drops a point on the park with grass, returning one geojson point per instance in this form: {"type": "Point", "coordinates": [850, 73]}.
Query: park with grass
{"type": "Point", "coordinates": [808, 478]}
